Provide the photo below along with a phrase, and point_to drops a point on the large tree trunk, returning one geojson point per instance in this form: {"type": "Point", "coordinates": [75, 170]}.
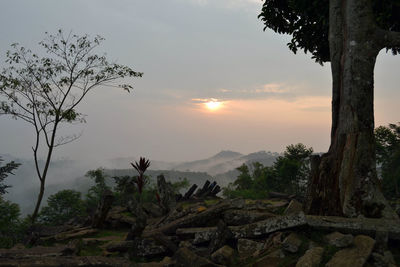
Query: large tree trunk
{"type": "Point", "coordinates": [345, 181]}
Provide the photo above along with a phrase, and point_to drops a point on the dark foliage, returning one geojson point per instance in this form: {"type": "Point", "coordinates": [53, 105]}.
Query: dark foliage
{"type": "Point", "coordinates": [141, 167]}
{"type": "Point", "coordinates": [388, 157]}
{"type": "Point", "coordinates": [307, 21]}
{"type": "Point", "coordinates": [288, 174]}
{"type": "Point", "coordinates": [5, 171]}
{"type": "Point", "coordinates": [61, 207]}
{"type": "Point", "coordinates": [96, 192]}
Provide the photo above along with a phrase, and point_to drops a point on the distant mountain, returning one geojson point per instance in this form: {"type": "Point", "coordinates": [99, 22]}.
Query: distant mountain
{"type": "Point", "coordinates": [69, 174]}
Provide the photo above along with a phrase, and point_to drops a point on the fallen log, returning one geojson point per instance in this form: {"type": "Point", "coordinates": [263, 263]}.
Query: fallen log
{"type": "Point", "coordinates": [368, 226]}
{"type": "Point", "coordinates": [193, 220]}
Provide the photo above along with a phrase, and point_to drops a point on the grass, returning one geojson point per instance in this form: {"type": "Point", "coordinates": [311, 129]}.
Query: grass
{"type": "Point", "coordinates": [93, 250]}
{"type": "Point", "coordinates": [106, 233]}
{"type": "Point", "coordinates": [210, 202]}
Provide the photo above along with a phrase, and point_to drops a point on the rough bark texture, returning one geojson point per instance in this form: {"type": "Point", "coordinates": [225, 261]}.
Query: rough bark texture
{"type": "Point", "coordinates": [345, 180]}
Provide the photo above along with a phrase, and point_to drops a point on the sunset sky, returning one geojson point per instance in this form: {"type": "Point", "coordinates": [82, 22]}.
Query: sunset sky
{"type": "Point", "coordinates": [213, 80]}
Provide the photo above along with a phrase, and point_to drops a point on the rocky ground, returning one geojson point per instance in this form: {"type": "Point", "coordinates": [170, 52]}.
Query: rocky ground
{"type": "Point", "coordinates": [210, 231]}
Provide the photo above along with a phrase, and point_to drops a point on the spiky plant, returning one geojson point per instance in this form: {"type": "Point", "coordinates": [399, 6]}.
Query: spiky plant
{"type": "Point", "coordinates": [141, 167]}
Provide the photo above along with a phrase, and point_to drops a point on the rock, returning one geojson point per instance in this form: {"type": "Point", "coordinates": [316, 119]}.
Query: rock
{"type": "Point", "coordinates": [241, 217]}
{"type": "Point", "coordinates": [293, 207]}
{"type": "Point", "coordinates": [140, 222]}
{"type": "Point", "coordinates": [184, 258]}
{"type": "Point", "coordinates": [354, 256]}
{"type": "Point", "coordinates": [152, 209]}
{"type": "Point", "coordinates": [102, 209]}
{"type": "Point", "coordinates": [193, 220]}
{"type": "Point", "coordinates": [268, 261]}
{"type": "Point", "coordinates": [383, 260]}
{"type": "Point", "coordinates": [247, 247]}
{"type": "Point", "coordinates": [264, 227]}
{"type": "Point", "coordinates": [189, 193]}
{"type": "Point", "coordinates": [221, 235]}
{"type": "Point", "coordinates": [88, 261]}
{"type": "Point", "coordinates": [312, 258]}
{"type": "Point", "coordinates": [277, 253]}
{"type": "Point", "coordinates": [166, 262]}
{"type": "Point", "coordinates": [45, 231]}
{"type": "Point", "coordinates": [146, 247]}
{"type": "Point", "coordinates": [117, 220]}
{"type": "Point", "coordinates": [37, 252]}
{"type": "Point", "coordinates": [166, 193]}
{"type": "Point", "coordinates": [367, 226]}
{"type": "Point", "coordinates": [381, 238]}
{"type": "Point", "coordinates": [72, 234]}
{"type": "Point", "coordinates": [122, 246]}
{"type": "Point", "coordinates": [291, 243]}
{"type": "Point", "coordinates": [339, 240]}
{"type": "Point", "coordinates": [223, 255]}
{"type": "Point", "coordinates": [166, 242]}
{"type": "Point", "coordinates": [73, 247]}
{"type": "Point", "coordinates": [200, 234]}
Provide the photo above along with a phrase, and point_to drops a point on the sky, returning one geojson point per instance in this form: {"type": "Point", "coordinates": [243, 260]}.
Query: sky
{"type": "Point", "coordinates": [192, 52]}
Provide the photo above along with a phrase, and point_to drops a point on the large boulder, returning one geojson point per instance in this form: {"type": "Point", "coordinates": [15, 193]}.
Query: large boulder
{"type": "Point", "coordinates": [121, 246]}
{"type": "Point", "coordinates": [240, 217]}
{"type": "Point", "coordinates": [247, 247]}
{"type": "Point", "coordinates": [220, 237]}
{"type": "Point", "coordinates": [147, 248]}
{"type": "Point", "coordinates": [354, 256]}
{"type": "Point", "coordinates": [223, 255]}
{"type": "Point", "coordinates": [339, 240]}
{"type": "Point", "coordinates": [185, 257]}
{"type": "Point", "coordinates": [293, 207]}
{"type": "Point", "coordinates": [312, 258]}
{"type": "Point", "coordinates": [291, 243]}
{"type": "Point", "coordinates": [88, 261]}
{"type": "Point", "coordinates": [102, 209]}
{"type": "Point", "coordinates": [257, 229]}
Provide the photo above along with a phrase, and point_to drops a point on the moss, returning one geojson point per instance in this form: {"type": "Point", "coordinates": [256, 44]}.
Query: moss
{"type": "Point", "coordinates": [210, 202]}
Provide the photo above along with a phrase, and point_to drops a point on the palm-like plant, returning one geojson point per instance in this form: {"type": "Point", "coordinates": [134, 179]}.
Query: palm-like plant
{"type": "Point", "coordinates": [141, 167]}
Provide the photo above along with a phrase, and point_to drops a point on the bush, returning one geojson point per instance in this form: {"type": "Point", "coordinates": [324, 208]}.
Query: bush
{"type": "Point", "coordinates": [11, 227]}
{"type": "Point", "coordinates": [288, 174]}
{"type": "Point", "coordinates": [61, 207]}
{"type": "Point", "coordinates": [96, 192]}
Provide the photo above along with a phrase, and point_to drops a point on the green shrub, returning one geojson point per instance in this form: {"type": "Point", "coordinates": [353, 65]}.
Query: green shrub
{"type": "Point", "coordinates": [61, 207]}
{"type": "Point", "coordinates": [11, 227]}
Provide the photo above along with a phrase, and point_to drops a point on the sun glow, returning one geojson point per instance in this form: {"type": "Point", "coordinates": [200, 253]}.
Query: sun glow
{"type": "Point", "coordinates": [213, 104]}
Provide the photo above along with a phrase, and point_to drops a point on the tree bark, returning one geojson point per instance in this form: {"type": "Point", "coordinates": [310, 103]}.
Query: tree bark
{"type": "Point", "coordinates": [345, 181]}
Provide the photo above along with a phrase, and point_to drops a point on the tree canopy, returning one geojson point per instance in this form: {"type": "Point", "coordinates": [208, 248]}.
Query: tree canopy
{"type": "Point", "coordinates": [307, 21]}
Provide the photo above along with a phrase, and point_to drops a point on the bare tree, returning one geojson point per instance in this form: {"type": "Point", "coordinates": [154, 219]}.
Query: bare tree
{"type": "Point", "coordinates": [45, 91]}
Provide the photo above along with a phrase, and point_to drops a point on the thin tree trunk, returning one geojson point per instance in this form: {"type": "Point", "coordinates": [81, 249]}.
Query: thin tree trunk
{"type": "Point", "coordinates": [43, 175]}
{"type": "Point", "coordinates": [345, 182]}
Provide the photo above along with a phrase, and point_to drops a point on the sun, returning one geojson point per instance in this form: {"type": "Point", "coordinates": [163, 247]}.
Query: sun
{"type": "Point", "coordinates": [213, 104]}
